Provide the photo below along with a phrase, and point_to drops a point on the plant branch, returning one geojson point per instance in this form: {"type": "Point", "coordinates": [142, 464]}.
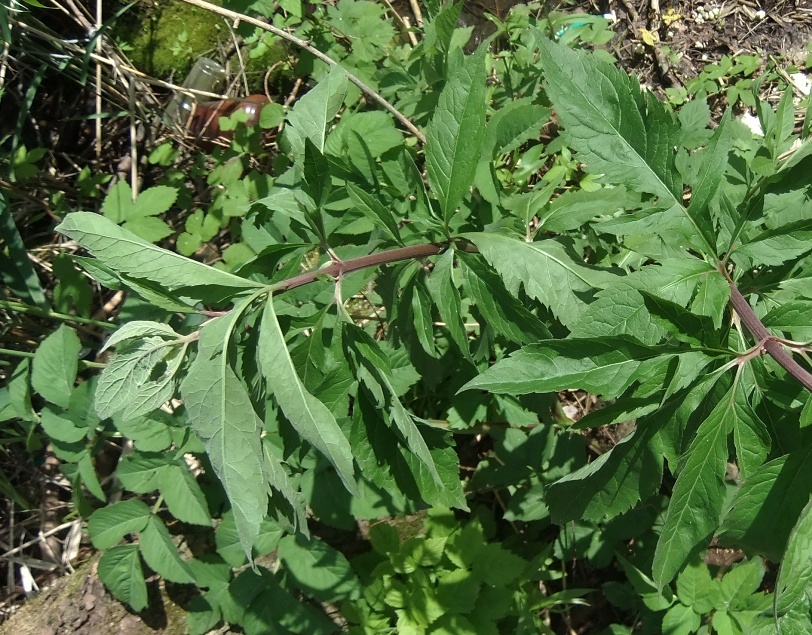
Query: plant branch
{"type": "Point", "coordinates": [21, 307]}
{"type": "Point", "coordinates": [233, 15]}
{"type": "Point", "coordinates": [770, 343]}
{"type": "Point", "coordinates": [373, 260]}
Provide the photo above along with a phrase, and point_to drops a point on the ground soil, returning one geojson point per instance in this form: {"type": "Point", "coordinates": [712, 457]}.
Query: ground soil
{"type": "Point", "coordinates": [78, 603]}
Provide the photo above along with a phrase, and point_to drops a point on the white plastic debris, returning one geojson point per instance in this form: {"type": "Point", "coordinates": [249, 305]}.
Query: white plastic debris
{"type": "Point", "coordinates": [27, 580]}
{"type": "Point", "coordinates": [752, 122]}
{"type": "Point", "coordinates": [801, 83]}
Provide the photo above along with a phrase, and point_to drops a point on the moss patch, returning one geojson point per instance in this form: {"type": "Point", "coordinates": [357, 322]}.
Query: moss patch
{"type": "Point", "coordinates": [166, 37]}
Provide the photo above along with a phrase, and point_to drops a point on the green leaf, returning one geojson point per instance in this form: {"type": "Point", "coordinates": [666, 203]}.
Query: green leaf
{"type": "Point", "coordinates": [318, 569]}
{"type": "Point", "coordinates": [791, 318]}
{"type": "Point", "coordinates": [119, 206]}
{"type": "Point", "coordinates": [750, 436]}
{"type": "Point", "coordinates": [138, 472]}
{"type": "Point", "coordinates": [685, 326]}
{"type": "Point", "coordinates": [313, 113]}
{"type": "Point", "coordinates": [183, 496]}
{"type": "Point", "coordinates": [549, 270]}
{"type": "Point", "coordinates": [768, 505]}
{"type": "Point", "coordinates": [309, 416]}
{"type": "Point", "coordinates": [18, 272]}
{"type": "Point", "coordinates": [605, 366]}
{"type": "Point", "coordinates": [220, 411]}
{"type": "Point", "coordinates": [630, 472]}
{"type": "Point", "coordinates": [617, 130]}
{"type": "Point", "coordinates": [506, 315]}
{"type": "Point", "coordinates": [795, 575]}
{"type": "Point", "coordinates": [699, 493]}
{"type": "Point", "coordinates": [271, 116]}
{"type": "Point", "coordinates": [695, 587]}
{"type": "Point", "coordinates": [276, 608]}
{"type": "Point", "coordinates": [374, 372]}
{"type": "Point", "coordinates": [19, 392]}
{"type": "Point", "coordinates": [150, 229]}
{"type": "Point", "coordinates": [88, 476]}
{"type": "Point", "coordinates": [120, 570]}
{"type": "Point", "coordinates": [510, 126]}
{"type": "Point", "coordinates": [777, 246]}
{"type": "Point", "coordinates": [681, 620]}
{"type": "Point", "coordinates": [455, 133]}
{"type": "Point", "coordinates": [618, 311]}
{"type": "Point", "coordinates": [54, 367]}
{"type": "Point", "coordinates": [316, 171]}
{"type": "Point", "coordinates": [161, 554]}
{"type": "Point", "coordinates": [575, 207]}
{"type": "Point", "coordinates": [446, 297]}
{"type": "Point", "coordinates": [123, 252]}
{"type": "Point", "coordinates": [60, 427]}
{"type": "Point", "coordinates": [711, 172]}
{"type": "Point", "coordinates": [373, 209]}
{"type": "Point", "coordinates": [108, 525]}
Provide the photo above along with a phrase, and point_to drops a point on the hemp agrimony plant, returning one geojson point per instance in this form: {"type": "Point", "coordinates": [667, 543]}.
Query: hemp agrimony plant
{"type": "Point", "coordinates": [398, 292]}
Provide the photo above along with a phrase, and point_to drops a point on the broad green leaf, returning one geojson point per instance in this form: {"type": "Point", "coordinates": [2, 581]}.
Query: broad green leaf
{"type": "Point", "coordinates": [228, 544]}
{"type": "Point", "coordinates": [549, 270]}
{"type": "Point", "coordinates": [279, 480]}
{"type": "Point", "coordinates": [683, 325]}
{"type": "Point", "coordinates": [617, 130]}
{"type": "Point", "coordinates": [792, 318]}
{"type": "Point", "coordinates": [629, 473]}
{"type": "Point", "coordinates": [712, 295]}
{"type": "Point", "coordinates": [150, 229]}
{"type": "Point", "coordinates": [699, 494]}
{"type": "Point", "coordinates": [739, 584]}
{"type": "Point", "coordinates": [695, 587]}
{"type": "Point", "coordinates": [318, 569]}
{"type": "Point", "coordinates": [371, 207]}
{"type": "Point", "coordinates": [510, 126]}
{"type": "Point", "coordinates": [275, 609]}
{"type": "Point", "coordinates": [750, 436]}
{"type": "Point", "coordinates": [220, 411]}
{"type": "Point", "coordinates": [681, 620]}
{"type": "Point", "coordinates": [138, 472]}
{"type": "Point", "coordinates": [768, 505]}
{"type": "Point", "coordinates": [120, 570]}
{"type": "Point", "coordinates": [604, 366]}
{"type": "Point", "coordinates": [54, 367]}
{"type": "Point", "coordinates": [447, 298]}
{"type": "Point", "coordinates": [125, 253]}
{"type": "Point", "coordinates": [505, 314]}
{"type": "Point", "coordinates": [59, 426]}
{"type": "Point", "coordinates": [150, 434]}
{"type": "Point", "coordinates": [161, 554]}
{"type": "Point", "coordinates": [795, 575]}
{"type": "Point", "coordinates": [129, 372]}
{"type": "Point", "coordinates": [88, 476]}
{"type": "Point", "coordinates": [183, 496]}
{"type": "Point", "coordinates": [313, 113]}
{"type": "Point", "coordinates": [309, 416]}
{"type": "Point", "coordinates": [414, 314]}
{"type": "Point", "coordinates": [108, 525]}
{"type": "Point", "coordinates": [19, 392]}
{"type": "Point", "coordinates": [139, 329]}
{"type": "Point", "coordinates": [316, 171]}
{"type": "Point", "coordinates": [120, 207]}
{"type": "Point", "coordinates": [618, 310]}
{"type": "Point", "coordinates": [776, 246]}
{"type": "Point", "coordinates": [454, 136]}
{"type": "Point", "coordinates": [575, 207]}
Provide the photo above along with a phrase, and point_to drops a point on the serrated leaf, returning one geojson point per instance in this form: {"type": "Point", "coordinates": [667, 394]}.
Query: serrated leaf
{"type": "Point", "coordinates": [318, 569]}
{"type": "Point", "coordinates": [513, 124]}
{"type": "Point", "coordinates": [768, 505]}
{"type": "Point", "coordinates": [605, 366]}
{"type": "Point", "coordinates": [791, 318]}
{"type": "Point", "coordinates": [183, 496]}
{"type": "Point", "coordinates": [629, 473]}
{"type": "Point", "coordinates": [123, 252]}
{"type": "Point", "coordinates": [220, 411]}
{"type": "Point", "coordinates": [108, 525]}
{"type": "Point", "coordinates": [55, 364]}
{"type": "Point", "coordinates": [120, 570]}
{"type": "Point", "coordinates": [161, 554]}
{"type": "Point", "coordinates": [446, 297]}
{"type": "Point", "coordinates": [750, 436]}
{"type": "Point", "coordinates": [373, 209]}
{"type": "Point", "coordinates": [150, 229]}
{"type": "Point", "coordinates": [695, 587]}
{"type": "Point", "coordinates": [316, 172]}
{"type": "Point", "coordinates": [680, 323]}
{"type": "Point", "coordinates": [275, 607]}
{"type": "Point", "coordinates": [139, 328]}
{"type": "Point", "coordinates": [712, 295]}
{"type": "Point", "coordinates": [119, 206]}
{"type": "Point", "coordinates": [60, 427]}
{"type": "Point", "coordinates": [615, 128]}
{"type": "Point", "coordinates": [88, 477]}
{"type": "Point", "coordinates": [795, 574]}
{"type": "Point", "coordinates": [776, 246]}
{"type": "Point", "coordinates": [279, 480]}
{"type": "Point", "coordinates": [548, 269]}
{"type": "Point", "coordinates": [618, 311]}
{"type": "Point", "coordinates": [699, 494]}
{"type": "Point", "coordinates": [506, 315]}
{"type": "Point", "coordinates": [139, 472]}
{"type": "Point", "coordinates": [313, 113]}
{"type": "Point", "coordinates": [455, 133]}
{"type": "Point", "coordinates": [575, 207]}
{"type": "Point", "coordinates": [310, 417]}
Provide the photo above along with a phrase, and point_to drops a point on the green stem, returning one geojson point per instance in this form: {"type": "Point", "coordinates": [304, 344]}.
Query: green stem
{"type": "Point", "coordinates": [10, 353]}
{"type": "Point", "coordinates": [21, 307]}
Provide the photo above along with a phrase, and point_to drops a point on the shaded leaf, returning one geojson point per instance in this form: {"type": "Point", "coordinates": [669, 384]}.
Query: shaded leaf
{"type": "Point", "coordinates": [120, 570]}
{"type": "Point", "coordinates": [55, 364]}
